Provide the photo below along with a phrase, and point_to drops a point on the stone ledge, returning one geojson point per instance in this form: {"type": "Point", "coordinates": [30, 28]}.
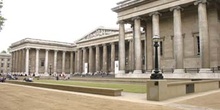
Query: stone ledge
{"type": "Point", "coordinates": [92, 90]}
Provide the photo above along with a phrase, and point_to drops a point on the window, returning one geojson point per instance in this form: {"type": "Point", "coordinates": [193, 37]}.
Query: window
{"type": "Point", "coordinates": [42, 63]}
{"type": "Point", "coordinates": [1, 71]}
{"type": "Point", "coordinates": [198, 45]}
{"type": "Point", "coordinates": [8, 59]}
{"type": "Point", "coordinates": [2, 59]}
{"type": "Point", "coordinates": [161, 48]}
{"type": "Point", "coordinates": [143, 60]}
{"type": "Point", "coordinates": [2, 64]}
{"type": "Point", "coordinates": [8, 65]}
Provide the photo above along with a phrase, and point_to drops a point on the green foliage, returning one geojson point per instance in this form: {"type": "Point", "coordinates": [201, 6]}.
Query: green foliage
{"type": "Point", "coordinates": [2, 19]}
{"type": "Point", "coordinates": [133, 88]}
{"type": "Point", "coordinates": [3, 51]}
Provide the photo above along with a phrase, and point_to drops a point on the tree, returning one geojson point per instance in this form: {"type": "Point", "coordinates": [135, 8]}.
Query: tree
{"type": "Point", "coordinates": [2, 19]}
{"type": "Point", "coordinates": [3, 51]}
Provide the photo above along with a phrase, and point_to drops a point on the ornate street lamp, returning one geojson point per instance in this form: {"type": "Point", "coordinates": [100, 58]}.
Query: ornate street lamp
{"type": "Point", "coordinates": [156, 74]}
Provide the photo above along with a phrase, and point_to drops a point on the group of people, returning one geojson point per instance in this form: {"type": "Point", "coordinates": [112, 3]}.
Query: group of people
{"type": "Point", "coordinates": [62, 75]}
{"type": "Point", "coordinates": [2, 79]}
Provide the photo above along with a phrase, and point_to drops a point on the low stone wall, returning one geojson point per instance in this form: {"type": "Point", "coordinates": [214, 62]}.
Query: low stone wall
{"type": "Point", "coordinates": [162, 89]}
{"type": "Point", "coordinates": [173, 75]}
{"type": "Point", "coordinates": [92, 90]}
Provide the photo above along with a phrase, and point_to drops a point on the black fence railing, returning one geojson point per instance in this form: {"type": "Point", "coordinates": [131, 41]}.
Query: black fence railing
{"type": "Point", "coordinates": [216, 69]}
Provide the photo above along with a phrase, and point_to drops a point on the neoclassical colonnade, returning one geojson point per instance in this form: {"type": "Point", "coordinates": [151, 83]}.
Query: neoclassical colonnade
{"type": "Point", "coordinates": [21, 61]}
{"type": "Point", "coordinates": [178, 39]}
{"type": "Point", "coordinates": [97, 57]}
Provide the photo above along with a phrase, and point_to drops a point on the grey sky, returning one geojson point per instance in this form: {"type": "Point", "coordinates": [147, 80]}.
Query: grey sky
{"type": "Point", "coordinates": [59, 20]}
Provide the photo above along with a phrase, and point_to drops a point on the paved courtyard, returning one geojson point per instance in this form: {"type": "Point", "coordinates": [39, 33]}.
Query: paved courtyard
{"type": "Point", "coordinates": [18, 97]}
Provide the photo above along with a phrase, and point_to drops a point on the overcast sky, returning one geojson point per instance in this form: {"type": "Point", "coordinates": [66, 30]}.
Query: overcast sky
{"type": "Point", "coordinates": [58, 20]}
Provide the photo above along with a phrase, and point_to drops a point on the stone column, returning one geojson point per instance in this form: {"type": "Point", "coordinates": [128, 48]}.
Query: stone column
{"type": "Point", "coordinates": [130, 57]}
{"type": "Point", "coordinates": [71, 62]}
{"type": "Point", "coordinates": [12, 62]}
{"type": "Point", "coordinates": [27, 62]}
{"type": "Point", "coordinates": [19, 60]}
{"type": "Point", "coordinates": [105, 59]}
{"type": "Point", "coordinates": [84, 60]}
{"type": "Point", "coordinates": [156, 31]}
{"type": "Point", "coordinates": [55, 62]}
{"type": "Point", "coordinates": [97, 57]}
{"type": "Point", "coordinates": [137, 46]}
{"type": "Point", "coordinates": [46, 62]}
{"type": "Point", "coordinates": [23, 61]}
{"type": "Point", "coordinates": [76, 62]}
{"type": "Point", "coordinates": [112, 58]}
{"type": "Point", "coordinates": [121, 48]}
{"type": "Point", "coordinates": [178, 39]}
{"type": "Point", "coordinates": [16, 61]}
{"type": "Point", "coordinates": [37, 61]}
{"type": "Point", "coordinates": [79, 61]}
{"type": "Point", "coordinates": [204, 37]}
{"type": "Point", "coordinates": [63, 62]}
{"type": "Point", "coordinates": [91, 59]}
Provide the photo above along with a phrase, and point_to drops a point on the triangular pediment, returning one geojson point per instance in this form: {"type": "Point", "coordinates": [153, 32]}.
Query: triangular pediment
{"type": "Point", "coordinates": [99, 32]}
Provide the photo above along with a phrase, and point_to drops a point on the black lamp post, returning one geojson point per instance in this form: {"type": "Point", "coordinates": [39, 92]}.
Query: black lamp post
{"type": "Point", "coordinates": [156, 74]}
{"type": "Point", "coordinates": [50, 68]}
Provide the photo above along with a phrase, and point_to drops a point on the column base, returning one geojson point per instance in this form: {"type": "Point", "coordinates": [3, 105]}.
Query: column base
{"type": "Point", "coordinates": [205, 70]}
{"type": "Point", "coordinates": [137, 72]}
{"type": "Point", "coordinates": [36, 73]}
{"type": "Point", "coordinates": [111, 73]}
{"type": "Point", "coordinates": [46, 74]}
{"type": "Point", "coordinates": [120, 72]}
{"type": "Point", "coordinates": [179, 71]}
{"type": "Point", "coordinates": [91, 73]}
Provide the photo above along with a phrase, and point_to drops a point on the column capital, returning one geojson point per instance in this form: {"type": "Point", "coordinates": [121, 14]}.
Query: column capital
{"type": "Point", "coordinates": [200, 1]}
{"type": "Point", "coordinates": [104, 44]}
{"type": "Point", "coordinates": [27, 48]}
{"type": "Point", "coordinates": [121, 22]}
{"type": "Point", "coordinates": [97, 46]}
{"type": "Point", "coordinates": [136, 18]}
{"type": "Point", "coordinates": [64, 51]}
{"type": "Point", "coordinates": [47, 49]}
{"type": "Point", "coordinates": [37, 49]}
{"type": "Point", "coordinates": [112, 43]}
{"type": "Point", "coordinates": [130, 40]}
{"type": "Point", "coordinates": [155, 13]}
{"type": "Point", "coordinates": [83, 48]}
{"type": "Point", "coordinates": [176, 8]}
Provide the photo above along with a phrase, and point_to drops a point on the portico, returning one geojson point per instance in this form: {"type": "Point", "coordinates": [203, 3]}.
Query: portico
{"type": "Point", "coordinates": [157, 15]}
{"type": "Point", "coordinates": [37, 58]}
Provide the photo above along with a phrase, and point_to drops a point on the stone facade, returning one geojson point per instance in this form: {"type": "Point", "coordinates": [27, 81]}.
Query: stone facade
{"type": "Point", "coordinates": [188, 29]}
{"type": "Point", "coordinates": [5, 63]}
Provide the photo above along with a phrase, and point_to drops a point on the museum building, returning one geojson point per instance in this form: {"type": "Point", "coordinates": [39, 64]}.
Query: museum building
{"type": "Point", "coordinates": [5, 60]}
{"type": "Point", "coordinates": [188, 31]}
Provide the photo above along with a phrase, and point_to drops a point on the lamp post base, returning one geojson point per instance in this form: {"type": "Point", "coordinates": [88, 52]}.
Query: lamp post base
{"type": "Point", "coordinates": [156, 76]}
